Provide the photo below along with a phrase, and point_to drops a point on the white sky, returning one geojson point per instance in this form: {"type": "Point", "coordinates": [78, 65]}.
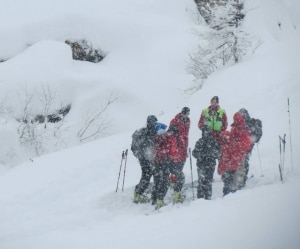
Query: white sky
{"type": "Point", "coordinates": [67, 199]}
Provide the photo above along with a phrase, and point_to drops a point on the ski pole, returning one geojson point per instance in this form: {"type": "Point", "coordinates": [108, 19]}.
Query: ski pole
{"type": "Point", "coordinates": [191, 172]}
{"type": "Point", "coordinates": [284, 142]}
{"type": "Point", "coordinates": [122, 158]}
{"type": "Point", "coordinates": [124, 169]}
{"type": "Point", "coordinates": [283, 151]}
{"type": "Point", "coordinates": [280, 164]}
{"type": "Point", "coordinates": [280, 172]}
{"type": "Point", "coordinates": [261, 171]}
{"type": "Point", "coordinates": [280, 151]}
{"type": "Point", "coordinates": [290, 133]}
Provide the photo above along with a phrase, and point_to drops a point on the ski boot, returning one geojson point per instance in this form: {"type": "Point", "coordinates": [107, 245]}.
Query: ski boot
{"type": "Point", "coordinates": [137, 198]}
{"type": "Point", "coordinates": [178, 198]}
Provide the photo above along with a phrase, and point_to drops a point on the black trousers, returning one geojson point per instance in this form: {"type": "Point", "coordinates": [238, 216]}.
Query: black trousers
{"type": "Point", "coordinates": [229, 184]}
{"type": "Point", "coordinates": [176, 169]}
{"type": "Point", "coordinates": [147, 173]}
{"type": "Point", "coordinates": [162, 181]}
{"type": "Point", "coordinates": [205, 168]}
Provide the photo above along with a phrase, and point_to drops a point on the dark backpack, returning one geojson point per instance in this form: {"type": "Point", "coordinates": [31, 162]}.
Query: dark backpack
{"type": "Point", "coordinates": [141, 143]}
{"type": "Point", "coordinates": [255, 129]}
{"type": "Point", "coordinates": [206, 147]}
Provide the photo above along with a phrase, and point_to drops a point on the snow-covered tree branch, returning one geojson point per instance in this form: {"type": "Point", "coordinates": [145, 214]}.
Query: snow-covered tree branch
{"type": "Point", "coordinates": [95, 121]}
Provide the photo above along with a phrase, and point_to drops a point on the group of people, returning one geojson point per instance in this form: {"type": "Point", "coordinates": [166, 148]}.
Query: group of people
{"type": "Point", "coordinates": [163, 154]}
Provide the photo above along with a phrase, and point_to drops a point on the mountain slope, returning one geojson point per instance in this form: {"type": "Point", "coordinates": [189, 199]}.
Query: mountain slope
{"type": "Point", "coordinates": [67, 199]}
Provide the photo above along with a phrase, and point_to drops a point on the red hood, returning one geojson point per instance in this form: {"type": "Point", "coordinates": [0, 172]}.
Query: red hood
{"type": "Point", "coordinates": [238, 119]}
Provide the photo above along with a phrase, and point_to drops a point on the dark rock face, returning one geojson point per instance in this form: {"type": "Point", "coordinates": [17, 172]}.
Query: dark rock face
{"type": "Point", "coordinates": [83, 50]}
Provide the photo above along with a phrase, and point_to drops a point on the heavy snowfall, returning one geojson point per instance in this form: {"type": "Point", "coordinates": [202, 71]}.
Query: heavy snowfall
{"type": "Point", "coordinates": [58, 179]}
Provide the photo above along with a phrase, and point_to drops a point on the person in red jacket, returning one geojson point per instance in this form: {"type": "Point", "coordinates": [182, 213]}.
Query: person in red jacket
{"type": "Point", "coordinates": [235, 144]}
{"type": "Point", "coordinates": [169, 156]}
{"type": "Point", "coordinates": [182, 122]}
{"type": "Point", "coordinates": [166, 159]}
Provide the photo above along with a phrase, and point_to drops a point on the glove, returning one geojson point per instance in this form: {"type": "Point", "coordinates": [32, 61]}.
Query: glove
{"type": "Point", "coordinates": [172, 178]}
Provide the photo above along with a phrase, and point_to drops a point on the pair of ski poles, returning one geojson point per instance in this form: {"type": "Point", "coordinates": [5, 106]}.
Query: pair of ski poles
{"type": "Point", "coordinates": [282, 142]}
{"type": "Point", "coordinates": [123, 159]}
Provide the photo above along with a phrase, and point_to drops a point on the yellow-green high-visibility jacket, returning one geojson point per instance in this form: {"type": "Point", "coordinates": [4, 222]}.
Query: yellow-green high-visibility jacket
{"type": "Point", "coordinates": [216, 122]}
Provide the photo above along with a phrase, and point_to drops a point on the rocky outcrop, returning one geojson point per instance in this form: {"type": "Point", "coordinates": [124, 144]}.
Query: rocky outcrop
{"type": "Point", "coordinates": [83, 50]}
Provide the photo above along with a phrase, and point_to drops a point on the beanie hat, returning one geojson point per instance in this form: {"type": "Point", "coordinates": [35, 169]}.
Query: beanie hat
{"type": "Point", "coordinates": [185, 110]}
{"type": "Point", "coordinates": [216, 98]}
{"type": "Point", "coordinates": [151, 119]}
{"type": "Point", "coordinates": [245, 114]}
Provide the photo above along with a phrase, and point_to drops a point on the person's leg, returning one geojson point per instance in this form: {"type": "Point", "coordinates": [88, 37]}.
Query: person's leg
{"type": "Point", "coordinates": [201, 179]}
{"type": "Point", "coordinates": [145, 177]}
{"type": "Point", "coordinates": [208, 177]}
{"type": "Point", "coordinates": [161, 183]}
{"type": "Point", "coordinates": [228, 177]}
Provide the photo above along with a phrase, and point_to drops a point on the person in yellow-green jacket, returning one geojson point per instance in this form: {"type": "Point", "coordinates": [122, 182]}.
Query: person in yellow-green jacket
{"type": "Point", "coordinates": [212, 122]}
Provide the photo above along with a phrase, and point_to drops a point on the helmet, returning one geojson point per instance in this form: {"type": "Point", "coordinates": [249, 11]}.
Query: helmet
{"type": "Point", "coordinates": [151, 119]}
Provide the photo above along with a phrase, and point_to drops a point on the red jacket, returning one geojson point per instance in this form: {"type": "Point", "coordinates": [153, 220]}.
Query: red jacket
{"type": "Point", "coordinates": [165, 148]}
{"type": "Point", "coordinates": [182, 122]}
{"type": "Point", "coordinates": [235, 145]}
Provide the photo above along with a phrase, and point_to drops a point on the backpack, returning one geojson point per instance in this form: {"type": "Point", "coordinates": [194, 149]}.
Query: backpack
{"type": "Point", "coordinates": [255, 129]}
{"type": "Point", "coordinates": [160, 128]}
{"type": "Point", "coordinates": [141, 143]}
{"type": "Point", "coordinates": [206, 147]}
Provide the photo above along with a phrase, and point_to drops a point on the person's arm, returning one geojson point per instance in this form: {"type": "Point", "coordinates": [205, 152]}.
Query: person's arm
{"type": "Point", "coordinates": [224, 122]}
{"type": "Point", "coordinates": [201, 121]}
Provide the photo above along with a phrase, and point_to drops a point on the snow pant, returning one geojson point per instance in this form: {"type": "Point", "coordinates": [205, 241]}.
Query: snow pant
{"type": "Point", "coordinates": [161, 181]}
{"type": "Point", "coordinates": [205, 168]}
{"type": "Point", "coordinates": [229, 185]}
{"type": "Point", "coordinates": [240, 175]}
{"type": "Point", "coordinates": [147, 173]}
{"type": "Point", "coordinates": [176, 169]}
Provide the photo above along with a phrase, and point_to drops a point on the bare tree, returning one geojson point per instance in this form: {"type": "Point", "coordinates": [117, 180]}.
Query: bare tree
{"type": "Point", "coordinates": [95, 121]}
{"type": "Point", "coordinates": [44, 129]}
{"type": "Point", "coordinates": [46, 97]}
{"type": "Point", "coordinates": [33, 130]}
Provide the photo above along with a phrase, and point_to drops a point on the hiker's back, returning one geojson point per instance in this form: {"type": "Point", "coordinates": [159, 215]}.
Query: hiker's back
{"type": "Point", "coordinates": [142, 143]}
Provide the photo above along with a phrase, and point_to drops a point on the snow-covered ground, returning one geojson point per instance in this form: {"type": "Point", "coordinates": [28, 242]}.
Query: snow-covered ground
{"type": "Point", "coordinates": [67, 199]}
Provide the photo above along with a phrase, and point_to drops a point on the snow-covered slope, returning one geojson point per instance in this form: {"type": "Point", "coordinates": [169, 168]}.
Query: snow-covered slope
{"type": "Point", "coordinates": [67, 199]}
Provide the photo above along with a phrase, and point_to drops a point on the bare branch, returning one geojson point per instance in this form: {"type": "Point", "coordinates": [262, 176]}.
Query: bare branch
{"type": "Point", "coordinates": [97, 120]}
